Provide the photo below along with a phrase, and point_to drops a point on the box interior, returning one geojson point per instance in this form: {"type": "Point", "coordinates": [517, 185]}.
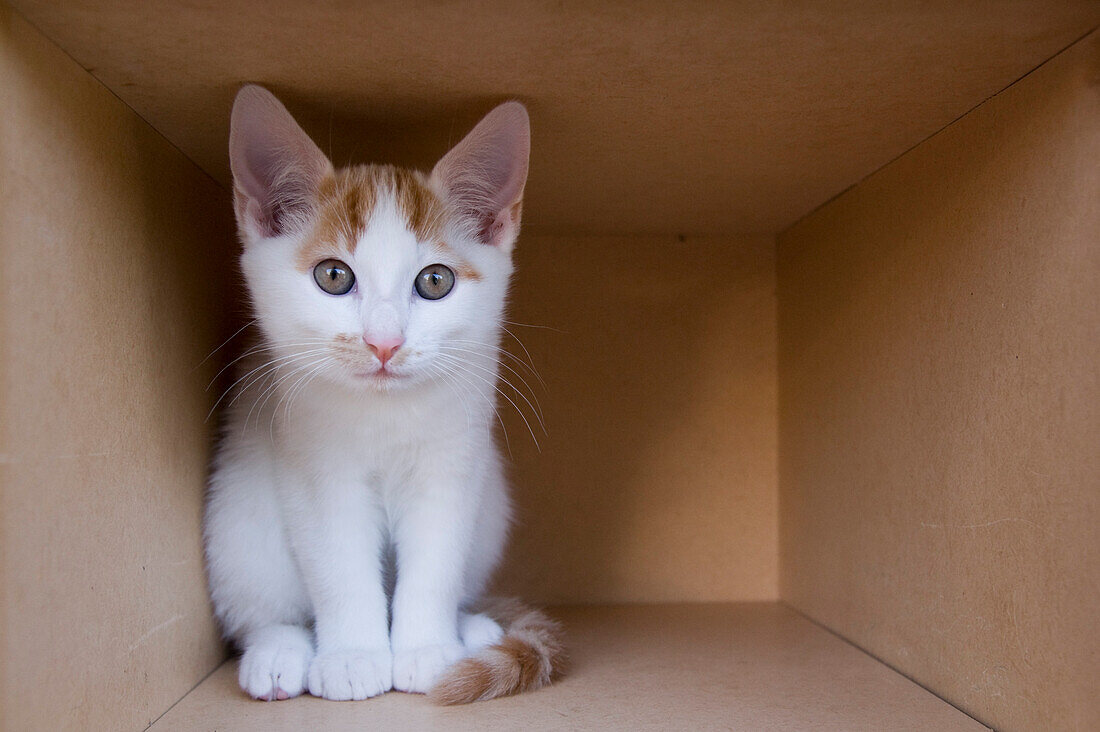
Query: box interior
{"type": "Point", "coordinates": [811, 289]}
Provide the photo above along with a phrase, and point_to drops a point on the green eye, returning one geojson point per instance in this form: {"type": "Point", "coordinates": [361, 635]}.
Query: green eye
{"type": "Point", "coordinates": [334, 277]}
{"type": "Point", "coordinates": [434, 281]}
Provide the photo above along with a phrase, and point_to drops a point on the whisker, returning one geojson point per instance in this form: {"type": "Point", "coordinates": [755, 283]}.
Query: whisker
{"type": "Point", "coordinates": [296, 388]}
{"type": "Point", "coordinates": [504, 352]}
{"type": "Point", "coordinates": [536, 407]}
{"type": "Point", "coordinates": [275, 362]}
{"type": "Point", "coordinates": [518, 375]}
{"type": "Point", "coordinates": [228, 390]}
{"type": "Point", "coordinates": [521, 345]}
{"type": "Point", "coordinates": [541, 327]}
{"type": "Point", "coordinates": [287, 396]}
{"type": "Point", "coordinates": [456, 374]}
{"type": "Point", "coordinates": [299, 386]}
{"type": "Point", "coordinates": [452, 384]}
{"type": "Point", "coordinates": [251, 378]}
{"type": "Point", "coordinates": [452, 351]}
{"type": "Point", "coordinates": [273, 388]}
{"type": "Point", "coordinates": [226, 341]}
{"type": "Point", "coordinates": [265, 347]}
{"type": "Point", "coordinates": [500, 391]}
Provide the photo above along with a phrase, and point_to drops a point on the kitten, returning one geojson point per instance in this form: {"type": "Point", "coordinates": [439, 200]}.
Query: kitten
{"type": "Point", "coordinates": [359, 440]}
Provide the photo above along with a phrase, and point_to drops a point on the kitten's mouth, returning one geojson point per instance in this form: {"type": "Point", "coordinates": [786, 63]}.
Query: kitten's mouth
{"type": "Point", "coordinates": [378, 375]}
{"type": "Point", "coordinates": [375, 375]}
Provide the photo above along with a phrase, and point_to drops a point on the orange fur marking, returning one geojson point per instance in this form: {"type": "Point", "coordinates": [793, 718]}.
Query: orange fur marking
{"type": "Point", "coordinates": [462, 269]}
{"type": "Point", "coordinates": [528, 657]}
{"type": "Point", "coordinates": [346, 200]}
{"type": "Point", "coordinates": [467, 272]}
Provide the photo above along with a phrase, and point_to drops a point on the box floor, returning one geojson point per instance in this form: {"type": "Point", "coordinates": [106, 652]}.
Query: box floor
{"type": "Point", "coordinates": [738, 666]}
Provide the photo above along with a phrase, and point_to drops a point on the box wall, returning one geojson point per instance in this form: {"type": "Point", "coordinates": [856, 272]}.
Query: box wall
{"type": "Point", "coordinates": [657, 478]}
{"type": "Point", "coordinates": [939, 335]}
{"type": "Point", "coordinates": [114, 248]}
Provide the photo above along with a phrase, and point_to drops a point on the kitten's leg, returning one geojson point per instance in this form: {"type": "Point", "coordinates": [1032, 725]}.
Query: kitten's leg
{"type": "Point", "coordinates": [493, 518]}
{"type": "Point", "coordinates": [336, 529]}
{"type": "Point", "coordinates": [433, 539]}
{"type": "Point", "coordinates": [478, 631]}
{"type": "Point", "coordinates": [255, 586]}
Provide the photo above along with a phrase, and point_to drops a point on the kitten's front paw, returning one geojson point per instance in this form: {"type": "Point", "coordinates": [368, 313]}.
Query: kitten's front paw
{"type": "Point", "coordinates": [346, 675]}
{"type": "Point", "coordinates": [417, 669]}
{"type": "Point", "coordinates": [478, 632]}
{"type": "Point", "coordinates": [275, 668]}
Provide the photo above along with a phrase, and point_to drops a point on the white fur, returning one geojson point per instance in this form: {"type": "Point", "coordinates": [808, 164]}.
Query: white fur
{"type": "Point", "coordinates": [478, 631]}
{"type": "Point", "coordinates": [324, 470]}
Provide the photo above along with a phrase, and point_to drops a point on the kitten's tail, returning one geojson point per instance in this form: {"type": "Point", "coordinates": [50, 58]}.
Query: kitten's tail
{"type": "Point", "coordinates": [526, 658]}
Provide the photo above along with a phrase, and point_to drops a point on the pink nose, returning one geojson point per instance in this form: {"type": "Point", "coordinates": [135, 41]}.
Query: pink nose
{"type": "Point", "coordinates": [384, 348]}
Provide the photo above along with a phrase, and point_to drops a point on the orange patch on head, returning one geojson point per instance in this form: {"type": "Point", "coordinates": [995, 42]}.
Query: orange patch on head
{"type": "Point", "coordinates": [343, 205]}
{"type": "Point", "coordinates": [346, 200]}
{"type": "Point", "coordinates": [420, 206]}
{"type": "Point", "coordinates": [466, 272]}
{"type": "Point", "coordinates": [462, 269]}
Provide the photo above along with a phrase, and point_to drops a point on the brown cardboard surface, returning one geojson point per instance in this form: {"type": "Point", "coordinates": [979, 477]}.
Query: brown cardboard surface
{"type": "Point", "coordinates": [656, 481]}
{"type": "Point", "coordinates": [648, 117]}
{"type": "Point", "coordinates": [110, 244]}
{"type": "Point", "coordinates": [938, 341]}
{"type": "Point", "coordinates": [704, 667]}
{"type": "Point", "coordinates": [939, 337]}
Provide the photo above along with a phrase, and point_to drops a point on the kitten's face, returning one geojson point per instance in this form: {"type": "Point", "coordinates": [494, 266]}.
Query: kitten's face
{"type": "Point", "coordinates": [379, 288]}
{"type": "Point", "coordinates": [374, 276]}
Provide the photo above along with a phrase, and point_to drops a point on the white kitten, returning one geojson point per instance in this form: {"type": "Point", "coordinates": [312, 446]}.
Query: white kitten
{"type": "Point", "coordinates": [358, 442]}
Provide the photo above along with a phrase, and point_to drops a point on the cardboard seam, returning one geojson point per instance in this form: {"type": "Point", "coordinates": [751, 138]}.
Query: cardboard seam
{"type": "Point", "coordinates": [783, 232]}
{"type": "Point", "coordinates": [120, 100]}
{"type": "Point", "coordinates": [199, 683]}
{"type": "Point", "coordinates": [893, 668]}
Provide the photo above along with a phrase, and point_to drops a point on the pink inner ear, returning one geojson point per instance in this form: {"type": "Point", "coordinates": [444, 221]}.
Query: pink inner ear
{"type": "Point", "coordinates": [486, 172]}
{"type": "Point", "coordinates": [275, 164]}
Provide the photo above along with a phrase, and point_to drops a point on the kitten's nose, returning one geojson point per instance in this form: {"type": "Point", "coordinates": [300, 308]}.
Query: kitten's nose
{"type": "Point", "coordinates": [384, 348]}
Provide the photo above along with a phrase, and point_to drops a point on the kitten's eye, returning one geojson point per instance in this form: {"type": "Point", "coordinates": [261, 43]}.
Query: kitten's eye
{"type": "Point", "coordinates": [434, 281]}
{"type": "Point", "coordinates": [334, 277]}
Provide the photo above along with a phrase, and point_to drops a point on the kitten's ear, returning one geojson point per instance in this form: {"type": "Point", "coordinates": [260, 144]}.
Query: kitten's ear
{"type": "Point", "coordinates": [484, 174]}
{"type": "Point", "coordinates": [276, 167]}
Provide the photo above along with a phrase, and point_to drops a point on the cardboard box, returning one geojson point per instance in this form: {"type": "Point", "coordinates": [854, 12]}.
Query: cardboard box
{"type": "Point", "coordinates": [812, 288]}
